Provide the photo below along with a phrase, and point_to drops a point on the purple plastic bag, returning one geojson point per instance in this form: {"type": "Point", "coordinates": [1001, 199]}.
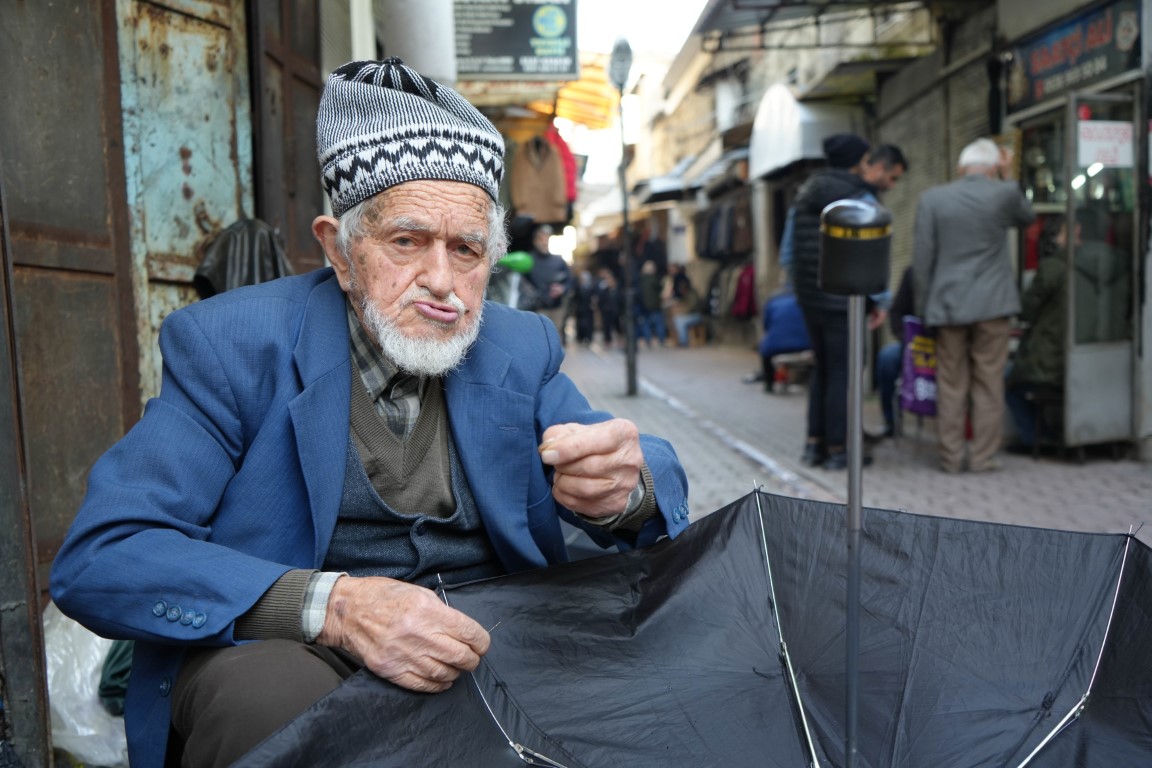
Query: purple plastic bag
{"type": "Point", "coordinates": [918, 375]}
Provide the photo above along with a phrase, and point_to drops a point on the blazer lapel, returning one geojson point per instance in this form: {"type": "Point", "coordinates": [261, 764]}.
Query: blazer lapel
{"type": "Point", "coordinates": [320, 412]}
{"type": "Point", "coordinates": [495, 436]}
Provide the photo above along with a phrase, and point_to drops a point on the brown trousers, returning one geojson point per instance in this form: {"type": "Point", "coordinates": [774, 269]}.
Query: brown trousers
{"type": "Point", "coordinates": [970, 362]}
{"type": "Point", "coordinates": [228, 700]}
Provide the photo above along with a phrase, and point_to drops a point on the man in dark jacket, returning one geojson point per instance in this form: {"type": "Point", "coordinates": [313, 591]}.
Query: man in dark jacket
{"type": "Point", "coordinates": [1039, 363]}
{"type": "Point", "coordinates": [853, 172]}
{"type": "Point", "coordinates": [552, 280]}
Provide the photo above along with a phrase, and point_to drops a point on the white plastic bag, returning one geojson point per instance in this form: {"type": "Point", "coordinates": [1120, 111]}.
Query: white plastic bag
{"type": "Point", "coordinates": [80, 725]}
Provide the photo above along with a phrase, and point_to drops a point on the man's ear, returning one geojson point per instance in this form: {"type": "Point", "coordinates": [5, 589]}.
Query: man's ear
{"type": "Point", "coordinates": [324, 229]}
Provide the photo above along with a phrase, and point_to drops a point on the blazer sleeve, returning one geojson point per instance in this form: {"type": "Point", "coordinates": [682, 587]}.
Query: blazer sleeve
{"type": "Point", "coordinates": [561, 402]}
{"type": "Point", "coordinates": [137, 562]}
{"type": "Point", "coordinates": [923, 257]}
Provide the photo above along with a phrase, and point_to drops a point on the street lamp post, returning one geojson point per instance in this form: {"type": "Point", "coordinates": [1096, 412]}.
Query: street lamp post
{"type": "Point", "coordinates": [618, 68]}
{"type": "Point", "coordinates": [855, 243]}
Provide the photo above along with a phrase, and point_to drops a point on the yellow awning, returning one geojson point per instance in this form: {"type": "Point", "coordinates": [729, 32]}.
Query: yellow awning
{"type": "Point", "coordinates": [591, 101]}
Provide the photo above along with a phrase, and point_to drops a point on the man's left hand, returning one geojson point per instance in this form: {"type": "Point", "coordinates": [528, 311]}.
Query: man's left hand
{"type": "Point", "coordinates": [595, 466]}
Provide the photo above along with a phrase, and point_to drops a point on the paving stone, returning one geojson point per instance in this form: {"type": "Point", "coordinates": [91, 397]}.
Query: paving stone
{"type": "Point", "coordinates": [731, 436]}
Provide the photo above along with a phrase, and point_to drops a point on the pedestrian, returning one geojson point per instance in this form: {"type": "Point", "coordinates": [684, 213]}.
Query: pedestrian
{"type": "Point", "coordinates": [1038, 367]}
{"type": "Point", "coordinates": [650, 305]}
{"type": "Point", "coordinates": [609, 305]}
{"type": "Point", "coordinates": [965, 288]}
{"type": "Point", "coordinates": [584, 307]}
{"type": "Point", "coordinates": [853, 172]}
{"type": "Point", "coordinates": [784, 333]}
{"type": "Point", "coordinates": [552, 279]}
{"type": "Point", "coordinates": [890, 358]}
{"type": "Point", "coordinates": [328, 446]}
{"type": "Point", "coordinates": [681, 302]}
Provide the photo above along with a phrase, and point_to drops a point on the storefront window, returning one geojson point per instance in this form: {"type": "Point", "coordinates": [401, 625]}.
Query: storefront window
{"type": "Point", "coordinates": [1042, 163]}
{"type": "Point", "coordinates": [1103, 188]}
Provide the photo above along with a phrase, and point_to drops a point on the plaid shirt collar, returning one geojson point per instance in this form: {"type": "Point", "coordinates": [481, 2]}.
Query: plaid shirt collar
{"type": "Point", "coordinates": [388, 386]}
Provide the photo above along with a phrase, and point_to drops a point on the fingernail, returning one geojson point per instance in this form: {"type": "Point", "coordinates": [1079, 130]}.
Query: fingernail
{"type": "Point", "coordinates": [550, 457]}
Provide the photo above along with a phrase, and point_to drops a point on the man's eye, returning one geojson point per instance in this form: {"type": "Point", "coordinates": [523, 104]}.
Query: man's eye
{"type": "Point", "coordinates": [404, 242]}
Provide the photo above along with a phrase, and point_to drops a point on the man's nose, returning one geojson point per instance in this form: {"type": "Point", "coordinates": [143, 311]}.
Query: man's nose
{"type": "Point", "coordinates": [438, 275]}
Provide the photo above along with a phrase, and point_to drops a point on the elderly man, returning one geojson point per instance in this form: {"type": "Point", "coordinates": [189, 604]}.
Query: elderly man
{"type": "Point", "coordinates": [965, 287]}
{"type": "Point", "coordinates": [327, 447]}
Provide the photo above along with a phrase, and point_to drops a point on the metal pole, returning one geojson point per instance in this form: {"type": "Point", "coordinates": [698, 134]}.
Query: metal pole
{"type": "Point", "coordinates": [626, 262]}
{"type": "Point", "coordinates": [855, 515]}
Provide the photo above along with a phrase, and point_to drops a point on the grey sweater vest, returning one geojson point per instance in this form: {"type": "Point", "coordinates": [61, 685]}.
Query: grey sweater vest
{"type": "Point", "coordinates": [407, 511]}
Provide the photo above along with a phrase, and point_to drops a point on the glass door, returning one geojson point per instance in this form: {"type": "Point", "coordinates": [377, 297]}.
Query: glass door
{"type": "Point", "coordinates": [1099, 195]}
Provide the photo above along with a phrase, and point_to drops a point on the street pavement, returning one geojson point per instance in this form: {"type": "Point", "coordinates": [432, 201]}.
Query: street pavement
{"type": "Point", "coordinates": [732, 437]}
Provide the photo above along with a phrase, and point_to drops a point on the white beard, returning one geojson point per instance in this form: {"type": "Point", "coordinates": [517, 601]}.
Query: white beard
{"type": "Point", "coordinates": [417, 356]}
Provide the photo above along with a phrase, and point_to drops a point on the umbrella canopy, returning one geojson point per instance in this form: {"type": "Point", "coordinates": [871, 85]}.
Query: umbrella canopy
{"type": "Point", "coordinates": [982, 644]}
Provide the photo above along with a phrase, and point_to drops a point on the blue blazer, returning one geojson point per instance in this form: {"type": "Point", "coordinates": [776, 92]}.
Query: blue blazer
{"type": "Point", "coordinates": [234, 474]}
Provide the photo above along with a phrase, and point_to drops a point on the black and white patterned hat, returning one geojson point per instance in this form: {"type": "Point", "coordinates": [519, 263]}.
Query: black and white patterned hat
{"type": "Point", "coordinates": [381, 123]}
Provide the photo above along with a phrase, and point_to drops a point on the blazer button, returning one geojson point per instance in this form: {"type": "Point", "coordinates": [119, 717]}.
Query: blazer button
{"type": "Point", "coordinates": [187, 618]}
{"type": "Point", "coordinates": [165, 686]}
{"type": "Point", "coordinates": [198, 620]}
{"type": "Point", "coordinates": [174, 613]}
{"type": "Point", "coordinates": [160, 608]}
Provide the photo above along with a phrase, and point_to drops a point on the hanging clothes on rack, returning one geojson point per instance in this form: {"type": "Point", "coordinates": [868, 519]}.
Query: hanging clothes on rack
{"type": "Point", "coordinates": [537, 183]}
{"type": "Point", "coordinates": [567, 159]}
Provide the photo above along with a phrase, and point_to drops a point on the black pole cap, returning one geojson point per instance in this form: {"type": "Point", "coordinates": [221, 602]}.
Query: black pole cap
{"type": "Point", "coordinates": [855, 242]}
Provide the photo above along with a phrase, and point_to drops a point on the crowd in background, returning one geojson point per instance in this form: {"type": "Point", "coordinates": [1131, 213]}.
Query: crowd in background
{"type": "Point", "coordinates": [961, 291]}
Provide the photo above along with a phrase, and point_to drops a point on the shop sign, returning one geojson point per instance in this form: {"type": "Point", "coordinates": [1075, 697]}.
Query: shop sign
{"type": "Point", "coordinates": [1088, 49]}
{"type": "Point", "coordinates": [516, 40]}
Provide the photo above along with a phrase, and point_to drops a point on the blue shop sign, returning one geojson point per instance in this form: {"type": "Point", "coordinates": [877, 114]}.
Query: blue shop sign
{"type": "Point", "coordinates": [1088, 49]}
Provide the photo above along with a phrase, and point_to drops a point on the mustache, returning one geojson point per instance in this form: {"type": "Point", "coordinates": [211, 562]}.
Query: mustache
{"type": "Point", "coordinates": [416, 293]}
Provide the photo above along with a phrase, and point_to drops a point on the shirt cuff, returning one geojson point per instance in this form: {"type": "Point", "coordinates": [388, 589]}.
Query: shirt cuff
{"type": "Point", "coordinates": [316, 604]}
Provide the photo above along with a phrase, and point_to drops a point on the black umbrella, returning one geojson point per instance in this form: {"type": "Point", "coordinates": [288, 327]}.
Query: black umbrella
{"type": "Point", "coordinates": [981, 644]}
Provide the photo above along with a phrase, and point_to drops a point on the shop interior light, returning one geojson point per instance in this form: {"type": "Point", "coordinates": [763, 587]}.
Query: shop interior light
{"type": "Point", "coordinates": [1079, 181]}
{"type": "Point", "coordinates": [1095, 168]}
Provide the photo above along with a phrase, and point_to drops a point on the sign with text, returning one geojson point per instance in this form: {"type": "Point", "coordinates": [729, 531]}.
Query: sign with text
{"type": "Point", "coordinates": [516, 40]}
{"type": "Point", "coordinates": [1107, 142]}
{"type": "Point", "coordinates": [1090, 48]}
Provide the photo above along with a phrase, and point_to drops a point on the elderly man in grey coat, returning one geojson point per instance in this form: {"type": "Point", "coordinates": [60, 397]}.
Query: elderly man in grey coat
{"type": "Point", "coordinates": [966, 290]}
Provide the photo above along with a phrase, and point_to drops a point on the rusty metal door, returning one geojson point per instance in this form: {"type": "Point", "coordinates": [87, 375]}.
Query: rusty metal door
{"type": "Point", "coordinates": [72, 387]}
{"type": "Point", "coordinates": [23, 698]}
{"type": "Point", "coordinates": [72, 309]}
{"type": "Point", "coordinates": [285, 46]}
{"type": "Point", "coordinates": [188, 147]}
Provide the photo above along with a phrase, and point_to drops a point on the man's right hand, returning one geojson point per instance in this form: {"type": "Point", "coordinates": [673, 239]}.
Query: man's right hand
{"type": "Point", "coordinates": [402, 632]}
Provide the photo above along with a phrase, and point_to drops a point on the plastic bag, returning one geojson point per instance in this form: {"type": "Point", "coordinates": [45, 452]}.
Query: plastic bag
{"type": "Point", "coordinates": [80, 724]}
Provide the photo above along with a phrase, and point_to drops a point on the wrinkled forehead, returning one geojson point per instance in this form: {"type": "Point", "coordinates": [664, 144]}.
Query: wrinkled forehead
{"type": "Point", "coordinates": [428, 204]}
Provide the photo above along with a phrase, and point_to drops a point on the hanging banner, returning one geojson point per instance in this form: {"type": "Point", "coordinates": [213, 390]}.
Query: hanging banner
{"type": "Point", "coordinates": [516, 40]}
{"type": "Point", "coordinates": [1090, 48]}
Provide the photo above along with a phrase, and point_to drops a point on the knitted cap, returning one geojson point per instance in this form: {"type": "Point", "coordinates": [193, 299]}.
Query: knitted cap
{"type": "Point", "coordinates": [381, 123]}
{"type": "Point", "coordinates": [844, 150]}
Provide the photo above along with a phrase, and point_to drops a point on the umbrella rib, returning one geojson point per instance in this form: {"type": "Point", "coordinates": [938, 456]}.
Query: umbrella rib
{"type": "Point", "coordinates": [529, 756]}
{"type": "Point", "coordinates": [1076, 710]}
{"type": "Point", "coordinates": [780, 634]}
